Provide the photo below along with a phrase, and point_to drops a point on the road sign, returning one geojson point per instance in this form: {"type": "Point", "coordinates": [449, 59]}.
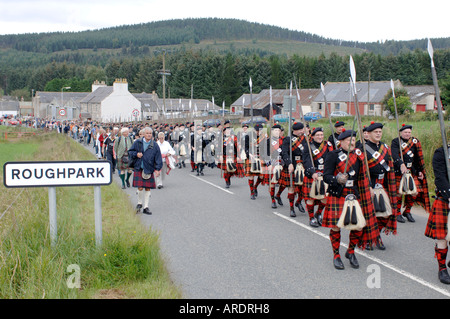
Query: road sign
{"type": "Point", "coordinates": [135, 112]}
{"type": "Point", "coordinates": [52, 174]}
{"type": "Point", "coordinates": [62, 112]}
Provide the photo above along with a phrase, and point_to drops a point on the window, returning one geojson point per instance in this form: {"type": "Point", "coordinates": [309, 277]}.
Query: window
{"type": "Point", "coordinates": [320, 106]}
{"type": "Point", "coordinates": [337, 106]}
{"type": "Point", "coordinates": [371, 107]}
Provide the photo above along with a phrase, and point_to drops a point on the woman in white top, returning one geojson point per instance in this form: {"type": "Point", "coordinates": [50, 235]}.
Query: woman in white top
{"type": "Point", "coordinates": [167, 153]}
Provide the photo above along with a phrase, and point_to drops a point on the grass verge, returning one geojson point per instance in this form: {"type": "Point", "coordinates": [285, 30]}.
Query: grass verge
{"type": "Point", "coordinates": [128, 265]}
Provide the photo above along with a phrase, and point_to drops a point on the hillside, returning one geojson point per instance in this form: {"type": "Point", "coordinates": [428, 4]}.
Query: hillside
{"type": "Point", "coordinates": [214, 56]}
{"type": "Point", "coordinates": [192, 31]}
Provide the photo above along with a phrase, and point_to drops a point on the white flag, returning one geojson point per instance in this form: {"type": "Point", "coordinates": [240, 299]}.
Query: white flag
{"type": "Point", "coordinates": [430, 52]}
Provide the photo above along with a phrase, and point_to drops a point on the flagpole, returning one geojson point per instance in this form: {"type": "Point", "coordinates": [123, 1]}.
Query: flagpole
{"type": "Point", "coordinates": [251, 99]}
{"type": "Point", "coordinates": [439, 107]}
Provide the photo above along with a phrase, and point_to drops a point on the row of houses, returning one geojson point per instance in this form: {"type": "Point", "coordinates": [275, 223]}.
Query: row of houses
{"type": "Point", "coordinates": [115, 103]}
{"type": "Point", "coordinates": [339, 98]}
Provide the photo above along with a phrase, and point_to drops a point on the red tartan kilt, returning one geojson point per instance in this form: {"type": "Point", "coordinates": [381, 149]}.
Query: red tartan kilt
{"type": "Point", "coordinates": [437, 220]}
{"type": "Point", "coordinates": [139, 182]}
{"type": "Point", "coordinates": [240, 172]}
{"type": "Point", "coordinates": [306, 187]}
{"type": "Point", "coordinates": [247, 167]}
{"type": "Point", "coordinates": [285, 179]}
{"type": "Point", "coordinates": [333, 210]}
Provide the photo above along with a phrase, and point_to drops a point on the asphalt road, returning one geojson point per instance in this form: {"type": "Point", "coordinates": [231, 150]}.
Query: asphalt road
{"type": "Point", "coordinates": [219, 244]}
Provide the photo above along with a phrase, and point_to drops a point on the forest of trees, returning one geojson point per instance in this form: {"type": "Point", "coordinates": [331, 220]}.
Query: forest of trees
{"type": "Point", "coordinates": [27, 65]}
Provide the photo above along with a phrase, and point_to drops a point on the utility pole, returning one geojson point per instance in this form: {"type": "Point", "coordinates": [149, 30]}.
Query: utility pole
{"type": "Point", "coordinates": [164, 72]}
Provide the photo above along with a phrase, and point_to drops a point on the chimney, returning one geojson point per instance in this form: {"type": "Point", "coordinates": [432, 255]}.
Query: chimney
{"type": "Point", "coordinates": [98, 84]}
{"type": "Point", "coordinates": [120, 85]}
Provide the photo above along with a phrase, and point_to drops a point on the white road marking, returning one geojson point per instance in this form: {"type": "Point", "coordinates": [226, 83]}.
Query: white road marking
{"type": "Point", "coordinates": [212, 184]}
{"type": "Point", "coordinates": [377, 260]}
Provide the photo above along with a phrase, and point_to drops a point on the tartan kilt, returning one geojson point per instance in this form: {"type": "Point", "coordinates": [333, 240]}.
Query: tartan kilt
{"type": "Point", "coordinates": [121, 166]}
{"type": "Point", "coordinates": [332, 213]}
{"type": "Point", "coordinates": [437, 220]}
{"type": "Point", "coordinates": [285, 178]}
{"type": "Point", "coordinates": [422, 198]}
{"type": "Point", "coordinates": [418, 183]}
{"type": "Point", "coordinates": [240, 172]}
{"type": "Point", "coordinates": [139, 182]}
{"type": "Point", "coordinates": [306, 188]}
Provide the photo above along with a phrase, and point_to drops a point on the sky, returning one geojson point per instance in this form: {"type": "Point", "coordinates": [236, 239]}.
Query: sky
{"type": "Point", "coordinates": [351, 20]}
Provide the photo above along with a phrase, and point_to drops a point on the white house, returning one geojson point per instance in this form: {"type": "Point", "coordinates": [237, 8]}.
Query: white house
{"type": "Point", "coordinates": [110, 103]}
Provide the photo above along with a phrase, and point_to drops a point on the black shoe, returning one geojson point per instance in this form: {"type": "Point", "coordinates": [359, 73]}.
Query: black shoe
{"type": "Point", "coordinates": [138, 208]}
{"type": "Point", "coordinates": [444, 277]}
{"type": "Point", "coordinates": [202, 174]}
{"type": "Point", "coordinates": [128, 184]}
{"type": "Point", "coordinates": [252, 196]}
{"type": "Point", "coordinates": [409, 217]}
{"type": "Point", "coordinates": [147, 211]}
{"type": "Point", "coordinates": [227, 185]}
{"type": "Point", "coordinates": [400, 219]}
{"type": "Point", "coordinates": [313, 222]}
{"type": "Point", "coordinates": [274, 205]}
{"type": "Point", "coordinates": [353, 261]}
{"type": "Point", "coordinates": [292, 214]}
{"type": "Point", "coordinates": [160, 186]}
{"type": "Point", "coordinates": [338, 264]}
{"type": "Point", "coordinates": [319, 218]}
{"type": "Point", "coordinates": [123, 186]}
{"type": "Point", "coordinates": [256, 192]}
{"type": "Point", "coordinates": [198, 174]}
{"type": "Point", "coordinates": [380, 244]}
{"type": "Point", "coordinates": [300, 207]}
{"type": "Point", "coordinates": [278, 199]}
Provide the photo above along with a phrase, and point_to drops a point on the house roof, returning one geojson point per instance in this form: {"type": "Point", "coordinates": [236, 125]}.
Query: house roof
{"type": "Point", "coordinates": [9, 105]}
{"type": "Point", "coordinates": [262, 99]}
{"type": "Point", "coordinates": [48, 97]}
{"type": "Point", "coordinates": [152, 103]}
{"type": "Point", "coordinates": [98, 95]}
{"type": "Point", "coordinates": [340, 91]}
{"type": "Point", "coordinates": [418, 92]}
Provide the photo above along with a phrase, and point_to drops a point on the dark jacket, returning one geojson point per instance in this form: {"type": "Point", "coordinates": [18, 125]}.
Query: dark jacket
{"type": "Point", "coordinates": [152, 156]}
{"type": "Point", "coordinates": [440, 173]}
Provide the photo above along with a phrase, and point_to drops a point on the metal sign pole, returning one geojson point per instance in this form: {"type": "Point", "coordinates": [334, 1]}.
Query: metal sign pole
{"type": "Point", "coordinates": [52, 215]}
{"type": "Point", "coordinates": [98, 215]}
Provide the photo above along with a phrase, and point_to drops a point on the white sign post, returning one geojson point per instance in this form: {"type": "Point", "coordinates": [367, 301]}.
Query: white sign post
{"type": "Point", "coordinates": [57, 174]}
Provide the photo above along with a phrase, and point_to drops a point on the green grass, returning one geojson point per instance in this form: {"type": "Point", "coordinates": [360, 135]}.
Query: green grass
{"type": "Point", "coordinates": [127, 265]}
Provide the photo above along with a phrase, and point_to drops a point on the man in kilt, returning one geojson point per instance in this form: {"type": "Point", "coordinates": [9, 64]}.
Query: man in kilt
{"type": "Point", "coordinates": [121, 146]}
{"type": "Point", "coordinates": [381, 169]}
{"type": "Point", "coordinates": [345, 178]}
{"type": "Point", "coordinates": [228, 162]}
{"type": "Point", "coordinates": [413, 161]}
{"type": "Point", "coordinates": [253, 148]}
{"type": "Point", "coordinates": [437, 225]}
{"type": "Point", "coordinates": [275, 175]}
{"type": "Point", "coordinates": [314, 169]}
{"type": "Point", "coordinates": [333, 138]}
{"type": "Point", "coordinates": [292, 153]}
{"type": "Point", "coordinates": [146, 159]}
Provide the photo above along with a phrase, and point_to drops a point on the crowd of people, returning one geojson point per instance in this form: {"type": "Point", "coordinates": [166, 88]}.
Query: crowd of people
{"type": "Point", "coordinates": [365, 186]}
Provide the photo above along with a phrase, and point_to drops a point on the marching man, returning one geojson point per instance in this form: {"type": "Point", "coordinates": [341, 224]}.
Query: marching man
{"type": "Point", "coordinates": [348, 199]}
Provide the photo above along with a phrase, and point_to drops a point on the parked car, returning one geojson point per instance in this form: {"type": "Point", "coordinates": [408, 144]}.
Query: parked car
{"type": "Point", "coordinates": [211, 122]}
{"type": "Point", "coordinates": [281, 118]}
{"type": "Point", "coordinates": [256, 120]}
{"type": "Point", "coordinates": [339, 114]}
{"type": "Point", "coordinates": [312, 116]}
{"type": "Point", "coordinates": [13, 122]}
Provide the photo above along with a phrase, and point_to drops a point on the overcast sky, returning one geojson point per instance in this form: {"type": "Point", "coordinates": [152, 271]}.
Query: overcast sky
{"type": "Point", "coordinates": [355, 20]}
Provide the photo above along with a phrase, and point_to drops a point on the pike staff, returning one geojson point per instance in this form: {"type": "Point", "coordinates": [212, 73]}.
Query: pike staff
{"type": "Point", "coordinates": [303, 119]}
{"type": "Point", "coordinates": [358, 115]}
{"type": "Point", "coordinates": [439, 108]}
{"type": "Point", "coordinates": [396, 117]}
